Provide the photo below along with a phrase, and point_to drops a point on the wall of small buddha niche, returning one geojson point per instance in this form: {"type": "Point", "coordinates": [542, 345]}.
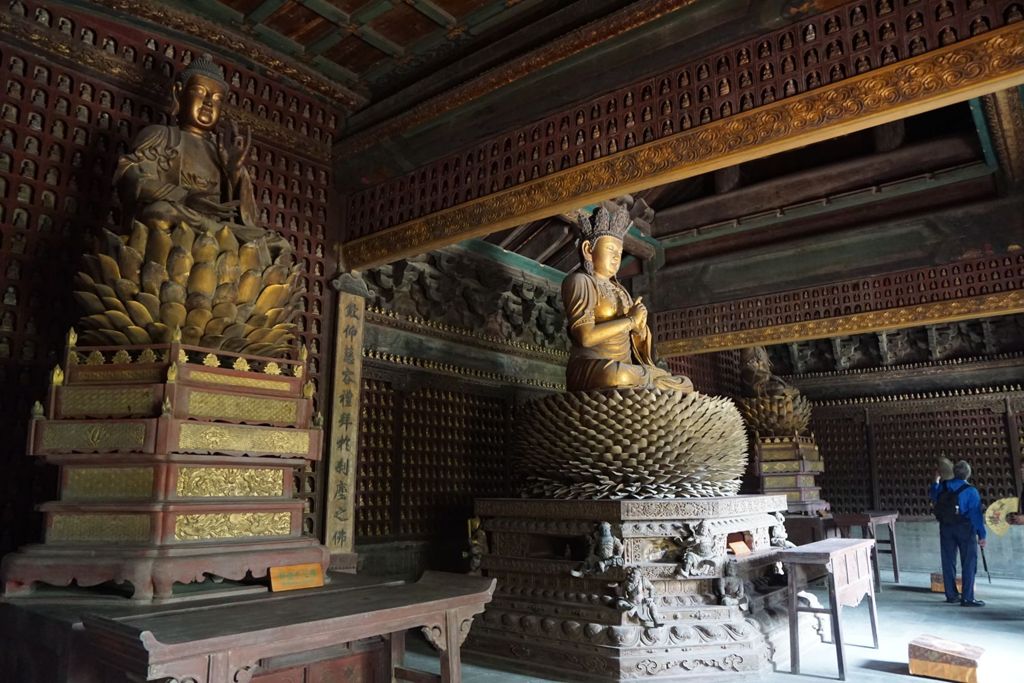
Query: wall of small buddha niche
{"type": "Point", "coordinates": [454, 342]}
{"type": "Point", "coordinates": [72, 103]}
{"type": "Point", "coordinates": [881, 453]}
{"type": "Point", "coordinates": [851, 38]}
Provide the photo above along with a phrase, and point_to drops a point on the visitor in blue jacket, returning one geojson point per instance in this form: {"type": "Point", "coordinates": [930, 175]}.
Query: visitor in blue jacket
{"type": "Point", "coordinates": [961, 529]}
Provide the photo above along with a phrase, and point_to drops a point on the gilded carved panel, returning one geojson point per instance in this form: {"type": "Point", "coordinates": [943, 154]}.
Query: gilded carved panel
{"type": "Point", "coordinates": [86, 483]}
{"type": "Point", "coordinates": [207, 526]}
{"type": "Point", "coordinates": [77, 401]}
{"type": "Point", "coordinates": [236, 407]}
{"type": "Point", "coordinates": [98, 528]}
{"type": "Point", "coordinates": [210, 482]}
{"type": "Point", "coordinates": [238, 438]}
{"type": "Point", "coordinates": [89, 436]}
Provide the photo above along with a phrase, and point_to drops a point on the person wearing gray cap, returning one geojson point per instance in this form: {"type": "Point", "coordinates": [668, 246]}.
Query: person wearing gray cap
{"type": "Point", "coordinates": [961, 529]}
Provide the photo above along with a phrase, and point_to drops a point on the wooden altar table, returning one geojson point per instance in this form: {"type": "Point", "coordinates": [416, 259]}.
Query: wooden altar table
{"type": "Point", "coordinates": [847, 563]}
{"type": "Point", "coordinates": [328, 633]}
{"type": "Point", "coordinates": [869, 522]}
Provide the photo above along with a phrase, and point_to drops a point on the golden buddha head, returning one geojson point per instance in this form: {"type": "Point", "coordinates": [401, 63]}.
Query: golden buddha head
{"type": "Point", "coordinates": [199, 94]}
{"type": "Point", "coordinates": [601, 239]}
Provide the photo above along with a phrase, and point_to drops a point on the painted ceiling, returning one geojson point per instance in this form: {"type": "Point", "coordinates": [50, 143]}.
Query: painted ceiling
{"type": "Point", "coordinates": [378, 46]}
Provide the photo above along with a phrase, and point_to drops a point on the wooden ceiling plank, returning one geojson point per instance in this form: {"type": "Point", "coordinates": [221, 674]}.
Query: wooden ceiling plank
{"type": "Point", "coordinates": [326, 43]}
{"type": "Point", "coordinates": [812, 184]}
{"type": "Point", "coordinates": [380, 42]}
{"type": "Point", "coordinates": [565, 238]}
{"type": "Point", "coordinates": [434, 12]}
{"type": "Point", "coordinates": [264, 11]}
{"type": "Point", "coordinates": [514, 235]}
{"type": "Point", "coordinates": [328, 11]}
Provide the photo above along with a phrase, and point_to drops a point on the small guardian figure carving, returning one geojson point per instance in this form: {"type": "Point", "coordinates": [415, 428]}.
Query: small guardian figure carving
{"type": "Point", "coordinates": [780, 537]}
{"type": "Point", "coordinates": [638, 600]}
{"type": "Point", "coordinates": [730, 587]}
{"type": "Point", "coordinates": [605, 552]}
{"type": "Point", "coordinates": [699, 549]}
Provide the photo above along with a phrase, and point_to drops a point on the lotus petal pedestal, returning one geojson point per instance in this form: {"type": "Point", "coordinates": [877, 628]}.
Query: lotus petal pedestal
{"type": "Point", "coordinates": [177, 464]}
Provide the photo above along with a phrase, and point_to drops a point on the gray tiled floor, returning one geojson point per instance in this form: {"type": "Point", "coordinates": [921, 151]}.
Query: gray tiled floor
{"type": "Point", "coordinates": [904, 612]}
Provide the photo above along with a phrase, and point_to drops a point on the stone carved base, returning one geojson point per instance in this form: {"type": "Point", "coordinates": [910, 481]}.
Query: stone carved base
{"type": "Point", "coordinates": [176, 463]}
{"type": "Point", "coordinates": [663, 608]}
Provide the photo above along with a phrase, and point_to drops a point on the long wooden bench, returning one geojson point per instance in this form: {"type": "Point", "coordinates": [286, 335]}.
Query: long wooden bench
{"type": "Point", "coordinates": [232, 642]}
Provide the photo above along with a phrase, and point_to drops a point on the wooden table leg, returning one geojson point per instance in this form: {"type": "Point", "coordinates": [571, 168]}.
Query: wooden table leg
{"type": "Point", "coordinates": [837, 626]}
{"type": "Point", "coordinates": [794, 622]}
{"type": "Point", "coordinates": [895, 556]}
{"type": "Point", "coordinates": [451, 658]}
{"type": "Point", "coordinates": [870, 532]}
{"type": "Point", "coordinates": [874, 618]}
{"type": "Point", "coordinates": [396, 654]}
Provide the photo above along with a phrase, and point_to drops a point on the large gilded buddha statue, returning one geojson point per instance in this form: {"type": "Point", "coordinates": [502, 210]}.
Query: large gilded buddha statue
{"type": "Point", "coordinates": [190, 259]}
{"type": "Point", "coordinates": [624, 428]}
{"type": "Point", "coordinates": [611, 342]}
{"type": "Point", "coordinates": [189, 173]}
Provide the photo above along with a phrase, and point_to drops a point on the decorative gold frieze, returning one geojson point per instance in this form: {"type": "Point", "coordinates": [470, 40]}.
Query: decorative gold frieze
{"type": "Point", "coordinates": [989, 305]}
{"type": "Point", "coordinates": [92, 436]}
{"type": "Point", "coordinates": [201, 527]}
{"type": "Point", "coordinates": [78, 401]}
{"type": "Point", "coordinates": [98, 528]}
{"type": "Point", "coordinates": [122, 357]}
{"type": "Point", "coordinates": [943, 76]}
{"type": "Point", "coordinates": [240, 482]}
{"type": "Point", "coordinates": [147, 356]}
{"type": "Point", "coordinates": [88, 483]}
{"type": "Point", "coordinates": [99, 373]}
{"type": "Point", "coordinates": [458, 370]}
{"type": "Point", "coordinates": [236, 381]}
{"type": "Point", "coordinates": [195, 436]}
{"type": "Point", "coordinates": [238, 407]}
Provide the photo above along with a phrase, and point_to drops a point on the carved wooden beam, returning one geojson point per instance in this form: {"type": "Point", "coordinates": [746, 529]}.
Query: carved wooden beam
{"type": "Point", "coordinates": [988, 286]}
{"type": "Point", "coordinates": [1004, 113]}
{"type": "Point", "coordinates": [977, 66]}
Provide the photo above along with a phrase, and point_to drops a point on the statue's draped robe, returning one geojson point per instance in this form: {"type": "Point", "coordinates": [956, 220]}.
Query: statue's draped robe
{"type": "Point", "coordinates": [166, 163]}
{"type": "Point", "coordinates": [623, 360]}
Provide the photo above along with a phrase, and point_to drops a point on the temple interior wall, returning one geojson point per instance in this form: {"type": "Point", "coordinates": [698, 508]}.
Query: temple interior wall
{"type": "Point", "coordinates": [453, 343]}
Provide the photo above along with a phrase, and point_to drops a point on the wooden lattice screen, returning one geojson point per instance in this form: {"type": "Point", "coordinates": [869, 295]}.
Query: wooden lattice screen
{"type": "Point", "coordinates": [882, 453]}
{"type": "Point", "coordinates": [429, 445]}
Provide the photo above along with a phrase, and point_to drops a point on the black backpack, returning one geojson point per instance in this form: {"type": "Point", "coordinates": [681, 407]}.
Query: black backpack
{"type": "Point", "coordinates": [947, 507]}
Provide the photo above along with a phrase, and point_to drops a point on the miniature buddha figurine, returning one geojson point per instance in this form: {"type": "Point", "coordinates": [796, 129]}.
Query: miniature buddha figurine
{"type": "Point", "coordinates": [185, 173]}
{"type": "Point", "coordinates": [611, 342]}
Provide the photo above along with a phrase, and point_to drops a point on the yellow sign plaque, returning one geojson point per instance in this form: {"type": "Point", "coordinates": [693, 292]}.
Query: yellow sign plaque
{"type": "Point", "coordinates": [295, 576]}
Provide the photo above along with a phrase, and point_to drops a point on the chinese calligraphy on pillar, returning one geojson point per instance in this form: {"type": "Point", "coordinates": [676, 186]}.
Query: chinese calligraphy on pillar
{"type": "Point", "coordinates": [340, 517]}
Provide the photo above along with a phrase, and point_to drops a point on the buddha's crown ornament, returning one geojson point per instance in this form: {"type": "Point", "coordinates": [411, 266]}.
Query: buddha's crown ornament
{"type": "Point", "coordinates": [203, 66]}
{"type": "Point", "coordinates": [609, 219]}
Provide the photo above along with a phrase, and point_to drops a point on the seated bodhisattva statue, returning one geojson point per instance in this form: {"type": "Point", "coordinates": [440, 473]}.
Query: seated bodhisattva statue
{"type": "Point", "coordinates": [625, 428]}
{"type": "Point", "coordinates": [187, 173]}
{"type": "Point", "coordinates": [611, 342]}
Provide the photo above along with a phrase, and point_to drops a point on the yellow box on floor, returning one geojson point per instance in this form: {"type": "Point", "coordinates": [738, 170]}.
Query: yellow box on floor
{"type": "Point", "coordinates": [944, 659]}
{"type": "Point", "coordinates": [938, 587]}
